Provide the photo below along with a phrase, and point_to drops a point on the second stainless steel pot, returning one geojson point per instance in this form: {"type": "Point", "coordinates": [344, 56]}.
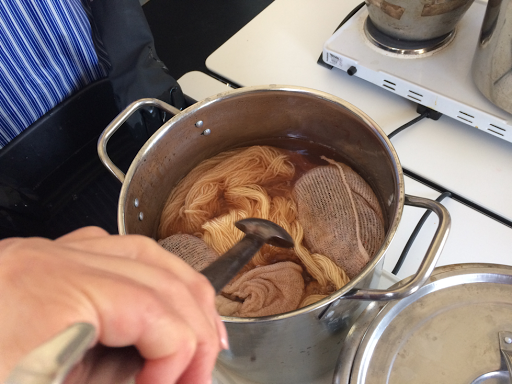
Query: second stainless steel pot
{"type": "Point", "coordinates": [300, 345]}
{"type": "Point", "coordinates": [492, 63]}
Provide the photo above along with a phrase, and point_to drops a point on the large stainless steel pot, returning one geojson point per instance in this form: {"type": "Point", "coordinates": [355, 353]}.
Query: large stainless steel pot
{"type": "Point", "coordinates": [299, 345]}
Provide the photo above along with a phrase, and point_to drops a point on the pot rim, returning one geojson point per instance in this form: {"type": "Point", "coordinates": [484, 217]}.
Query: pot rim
{"type": "Point", "coordinates": [398, 200]}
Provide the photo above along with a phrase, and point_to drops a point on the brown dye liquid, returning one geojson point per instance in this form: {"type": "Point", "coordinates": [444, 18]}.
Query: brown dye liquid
{"type": "Point", "coordinates": [308, 153]}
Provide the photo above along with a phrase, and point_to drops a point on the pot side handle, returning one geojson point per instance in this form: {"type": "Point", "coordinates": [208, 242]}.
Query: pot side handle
{"type": "Point", "coordinates": [118, 121]}
{"type": "Point", "coordinates": [428, 263]}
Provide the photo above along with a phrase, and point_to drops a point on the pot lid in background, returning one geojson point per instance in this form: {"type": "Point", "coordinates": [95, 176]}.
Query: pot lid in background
{"type": "Point", "coordinates": [447, 332]}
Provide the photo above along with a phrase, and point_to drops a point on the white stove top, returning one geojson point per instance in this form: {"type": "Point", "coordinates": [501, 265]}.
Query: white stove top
{"type": "Point", "coordinates": [440, 80]}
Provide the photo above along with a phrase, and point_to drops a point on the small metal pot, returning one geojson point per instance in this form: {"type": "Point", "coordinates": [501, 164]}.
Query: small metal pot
{"type": "Point", "coordinates": [416, 20]}
{"type": "Point", "coordinates": [456, 329]}
{"type": "Point", "coordinates": [300, 345]}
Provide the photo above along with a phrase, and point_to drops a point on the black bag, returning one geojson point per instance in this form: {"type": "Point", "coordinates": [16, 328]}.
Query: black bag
{"type": "Point", "coordinates": [51, 180]}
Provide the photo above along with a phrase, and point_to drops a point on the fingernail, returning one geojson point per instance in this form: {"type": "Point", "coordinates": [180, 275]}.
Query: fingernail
{"type": "Point", "coordinates": [224, 343]}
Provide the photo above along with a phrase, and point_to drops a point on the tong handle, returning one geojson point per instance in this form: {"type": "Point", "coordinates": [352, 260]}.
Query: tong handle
{"type": "Point", "coordinates": [69, 359]}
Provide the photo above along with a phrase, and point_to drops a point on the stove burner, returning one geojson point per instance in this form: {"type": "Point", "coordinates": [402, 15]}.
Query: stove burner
{"type": "Point", "coordinates": [404, 47]}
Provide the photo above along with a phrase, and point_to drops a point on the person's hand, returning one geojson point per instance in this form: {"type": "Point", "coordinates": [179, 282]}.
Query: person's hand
{"type": "Point", "coordinates": [132, 290]}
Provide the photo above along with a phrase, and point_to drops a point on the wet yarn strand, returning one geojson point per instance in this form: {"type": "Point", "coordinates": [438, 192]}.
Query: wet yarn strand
{"type": "Point", "coordinates": [196, 198]}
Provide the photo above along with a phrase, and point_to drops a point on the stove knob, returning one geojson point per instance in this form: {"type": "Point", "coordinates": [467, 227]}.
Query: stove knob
{"type": "Point", "coordinates": [352, 71]}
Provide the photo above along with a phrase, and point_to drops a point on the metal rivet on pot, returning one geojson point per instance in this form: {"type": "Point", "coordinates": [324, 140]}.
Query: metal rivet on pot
{"type": "Point", "coordinates": [136, 202]}
{"type": "Point", "coordinates": [141, 216]}
{"type": "Point", "coordinates": [508, 340]}
{"type": "Point", "coordinates": [206, 132]}
{"type": "Point", "coordinates": [199, 124]}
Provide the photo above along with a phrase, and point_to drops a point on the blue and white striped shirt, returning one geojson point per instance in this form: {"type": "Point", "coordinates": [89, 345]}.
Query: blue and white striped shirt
{"type": "Point", "coordinates": [47, 52]}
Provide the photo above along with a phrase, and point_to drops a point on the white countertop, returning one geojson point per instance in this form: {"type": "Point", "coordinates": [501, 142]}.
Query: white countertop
{"type": "Point", "coordinates": [281, 46]}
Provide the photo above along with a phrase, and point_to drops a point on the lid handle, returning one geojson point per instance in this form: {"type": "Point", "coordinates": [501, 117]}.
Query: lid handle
{"type": "Point", "coordinates": [506, 350]}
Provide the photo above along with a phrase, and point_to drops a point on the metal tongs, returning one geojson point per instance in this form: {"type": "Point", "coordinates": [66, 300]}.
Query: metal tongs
{"type": "Point", "coordinates": [68, 357]}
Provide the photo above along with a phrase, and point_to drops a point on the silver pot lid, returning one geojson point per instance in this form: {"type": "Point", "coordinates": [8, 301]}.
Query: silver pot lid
{"type": "Point", "coordinates": [447, 332]}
